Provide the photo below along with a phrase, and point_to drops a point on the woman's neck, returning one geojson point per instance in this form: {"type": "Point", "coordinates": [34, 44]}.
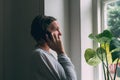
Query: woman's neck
{"type": "Point", "coordinates": [44, 47]}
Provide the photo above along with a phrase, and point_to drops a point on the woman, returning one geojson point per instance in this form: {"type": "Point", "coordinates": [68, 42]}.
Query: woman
{"type": "Point", "coordinates": [45, 31]}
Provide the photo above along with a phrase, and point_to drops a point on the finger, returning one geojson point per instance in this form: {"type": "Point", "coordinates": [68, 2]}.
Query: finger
{"type": "Point", "coordinates": [53, 37]}
{"type": "Point", "coordinates": [56, 37]}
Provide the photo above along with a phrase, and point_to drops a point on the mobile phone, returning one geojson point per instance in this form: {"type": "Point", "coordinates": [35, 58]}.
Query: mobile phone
{"type": "Point", "coordinates": [49, 35]}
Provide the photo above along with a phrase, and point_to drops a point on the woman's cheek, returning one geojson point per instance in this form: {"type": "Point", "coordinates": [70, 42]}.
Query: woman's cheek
{"type": "Point", "coordinates": [55, 32]}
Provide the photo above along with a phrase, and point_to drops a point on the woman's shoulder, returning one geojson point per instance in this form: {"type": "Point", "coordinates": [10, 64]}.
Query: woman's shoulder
{"type": "Point", "coordinates": [38, 55]}
{"type": "Point", "coordinates": [37, 51]}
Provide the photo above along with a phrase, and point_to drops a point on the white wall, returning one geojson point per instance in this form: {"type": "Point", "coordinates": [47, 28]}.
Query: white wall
{"type": "Point", "coordinates": [75, 36]}
{"type": "Point", "coordinates": [81, 27]}
{"type": "Point", "coordinates": [86, 29]}
{"type": "Point", "coordinates": [60, 10]}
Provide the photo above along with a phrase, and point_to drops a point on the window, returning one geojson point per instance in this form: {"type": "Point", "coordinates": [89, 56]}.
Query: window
{"type": "Point", "coordinates": [111, 21]}
{"type": "Point", "coordinates": [112, 16]}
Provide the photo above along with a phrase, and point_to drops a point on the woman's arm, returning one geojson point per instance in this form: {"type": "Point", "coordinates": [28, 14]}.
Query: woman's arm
{"type": "Point", "coordinates": [66, 63]}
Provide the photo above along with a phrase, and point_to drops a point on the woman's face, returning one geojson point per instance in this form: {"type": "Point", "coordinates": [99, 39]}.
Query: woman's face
{"type": "Point", "coordinates": [53, 28]}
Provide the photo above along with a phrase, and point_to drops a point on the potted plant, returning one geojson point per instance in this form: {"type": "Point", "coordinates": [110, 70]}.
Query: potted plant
{"type": "Point", "coordinates": [108, 52]}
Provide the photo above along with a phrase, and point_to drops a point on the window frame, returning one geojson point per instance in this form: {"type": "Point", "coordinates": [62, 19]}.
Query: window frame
{"type": "Point", "coordinates": [97, 28]}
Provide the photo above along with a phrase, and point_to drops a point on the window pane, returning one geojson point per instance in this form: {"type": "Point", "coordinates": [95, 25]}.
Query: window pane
{"type": "Point", "coordinates": [112, 22]}
{"type": "Point", "coordinates": [112, 17]}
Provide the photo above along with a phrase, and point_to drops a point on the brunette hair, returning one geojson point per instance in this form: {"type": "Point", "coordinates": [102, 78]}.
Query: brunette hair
{"type": "Point", "coordinates": [39, 27]}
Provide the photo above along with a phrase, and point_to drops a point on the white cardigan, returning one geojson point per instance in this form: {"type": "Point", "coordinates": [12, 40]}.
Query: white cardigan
{"type": "Point", "coordinates": [46, 67]}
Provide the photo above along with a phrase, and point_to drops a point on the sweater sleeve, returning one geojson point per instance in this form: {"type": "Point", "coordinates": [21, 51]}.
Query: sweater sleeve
{"type": "Point", "coordinates": [66, 63]}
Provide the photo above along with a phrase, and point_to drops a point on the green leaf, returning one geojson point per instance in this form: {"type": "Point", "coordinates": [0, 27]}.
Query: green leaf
{"type": "Point", "coordinates": [91, 57]}
{"type": "Point", "coordinates": [105, 33]}
{"type": "Point", "coordinates": [115, 49]}
{"type": "Point", "coordinates": [91, 36]}
{"type": "Point", "coordinates": [104, 37]}
{"type": "Point", "coordinates": [101, 53]}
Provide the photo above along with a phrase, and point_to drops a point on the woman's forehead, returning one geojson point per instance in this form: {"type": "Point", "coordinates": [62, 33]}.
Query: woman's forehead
{"type": "Point", "coordinates": [54, 24]}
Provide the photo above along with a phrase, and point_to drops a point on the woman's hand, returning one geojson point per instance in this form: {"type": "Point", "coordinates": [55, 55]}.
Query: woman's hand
{"type": "Point", "coordinates": [55, 43]}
